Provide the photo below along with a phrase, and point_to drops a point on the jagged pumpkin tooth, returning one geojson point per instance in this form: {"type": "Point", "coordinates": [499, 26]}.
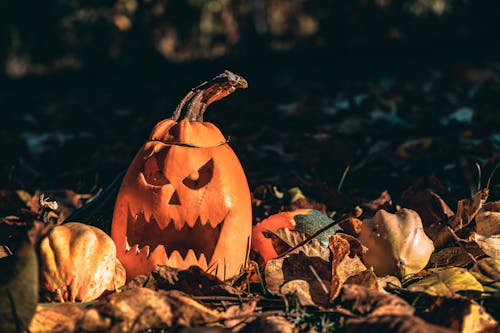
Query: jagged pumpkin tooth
{"type": "Point", "coordinates": [190, 259]}
{"type": "Point", "coordinates": [202, 262]}
{"type": "Point", "coordinates": [159, 256]}
{"type": "Point", "coordinates": [175, 260]}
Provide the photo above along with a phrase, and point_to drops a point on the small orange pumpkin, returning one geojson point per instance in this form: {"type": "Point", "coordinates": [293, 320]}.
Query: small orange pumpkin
{"type": "Point", "coordinates": [78, 263]}
{"type": "Point", "coordinates": [185, 199]}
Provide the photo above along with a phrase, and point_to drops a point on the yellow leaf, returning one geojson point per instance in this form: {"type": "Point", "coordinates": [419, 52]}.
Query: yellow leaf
{"type": "Point", "coordinates": [447, 282]}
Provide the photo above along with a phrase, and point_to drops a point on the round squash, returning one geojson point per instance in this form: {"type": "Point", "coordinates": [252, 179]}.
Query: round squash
{"type": "Point", "coordinates": [78, 263]}
{"type": "Point", "coordinates": [397, 244]}
{"type": "Point", "coordinates": [185, 199]}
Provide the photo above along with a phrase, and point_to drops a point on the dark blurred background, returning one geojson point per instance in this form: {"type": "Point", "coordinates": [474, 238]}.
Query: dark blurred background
{"type": "Point", "coordinates": [393, 89]}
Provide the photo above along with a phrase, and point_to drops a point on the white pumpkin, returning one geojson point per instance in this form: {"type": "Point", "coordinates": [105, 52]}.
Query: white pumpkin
{"type": "Point", "coordinates": [397, 244]}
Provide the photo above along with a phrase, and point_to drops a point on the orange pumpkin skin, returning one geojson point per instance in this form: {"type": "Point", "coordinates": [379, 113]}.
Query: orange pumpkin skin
{"type": "Point", "coordinates": [184, 201]}
{"type": "Point", "coordinates": [78, 263]}
{"type": "Point", "coordinates": [264, 246]}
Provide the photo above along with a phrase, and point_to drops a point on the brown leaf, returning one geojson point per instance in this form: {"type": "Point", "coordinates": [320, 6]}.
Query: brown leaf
{"type": "Point", "coordinates": [10, 203]}
{"type": "Point", "coordinates": [461, 314]}
{"type": "Point", "coordinates": [133, 310]}
{"type": "Point", "coordinates": [60, 318]}
{"type": "Point", "coordinates": [467, 209]}
{"type": "Point", "coordinates": [346, 261]}
{"type": "Point", "coordinates": [238, 315]}
{"type": "Point", "coordinates": [300, 290]}
{"type": "Point", "coordinates": [393, 324]}
{"type": "Point", "coordinates": [298, 266]}
{"type": "Point", "coordinates": [489, 244]}
{"type": "Point", "coordinates": [387, 281]}
{"type": "Point", "coordinates": [284, 239]}
{"type": "Point", "coordinates": [423, 197]}
{"type": "Point", "coordinates": [141, 309]}
{"type": "Point", "coordinates": [454, 256]}
{"type": "Point", "coordinates": [488, 219]}
{"type": "Point", "coordinates": [384, 201]}
{"type": "Point", "coordinates": [365, 278]}
{"type": "Point", "coordinates": [193, 281]}
{"type": "Point", "coordinates": [271, 324]}
{"type": "Point", "coordinates": [188, 312]}
{"type": "Point", "coordinates": [351, 226]}
{"type": "Point", "coordinates": [361, 301]}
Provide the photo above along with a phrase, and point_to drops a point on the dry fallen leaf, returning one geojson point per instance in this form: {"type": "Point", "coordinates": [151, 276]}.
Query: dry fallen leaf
{"type": "Point", "coordinates": [346, 261]}
{"type": "Point", "coordinates": [393, 324]}
{"type": "Point", "coordinates": [193, 281]}
{"type": "Point", "coordinates": [461, 314]}
{"type": "Point", "coordinates": [298, 266]}
{"type": "Point", "coordinates": [284, 239]}
{"type": "Point", "coordinates": [361, 301]}
{"type": "Point", "coordinates": [446, 282]}
{"type": "Point", "coordinates": [238, 315]}
{"type": "Point", "coordinates": [455, 255]}
{"type": "Point", "coordinates": [489, 244]}
{"type": "Point", "coordinates": [424, 198]}
{"type": "Point", "coordinates": [271, 324]}
{"type": "Point", "coordinates": [133, 310]}
{"type": "Point", "coordinates": [300, 290]}
{"type": "Point", "coordinates": [60, 318]}
{"type": "Point", "coordinates": [384, 201]}
{"type": "Point", "coordinates": [488, 222]}
{"type": "Point", "coordinates": [487, 272]}
{"type": "Point", "coordinates": [467, 209]}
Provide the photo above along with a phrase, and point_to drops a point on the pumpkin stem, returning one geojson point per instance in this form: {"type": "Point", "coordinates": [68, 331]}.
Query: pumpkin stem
{"type": "Point", "coordinates": [199, 98]}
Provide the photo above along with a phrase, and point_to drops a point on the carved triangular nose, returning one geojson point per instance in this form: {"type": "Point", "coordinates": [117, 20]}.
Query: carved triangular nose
{"type": "Point", "coordinates": [174, 200]}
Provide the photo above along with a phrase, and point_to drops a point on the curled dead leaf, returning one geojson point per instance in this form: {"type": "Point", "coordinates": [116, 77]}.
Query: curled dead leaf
{"type": "Point", "coordinates": [60, 318]}
{"type": "Point", "coordinates": [395, 324]}
{"type": "Point", "coordinates": [361, 301]}
{"type": "Point", "coordinates": [271, 324]}
{"type": "Point", "coordinates": [297, 266]}
{"type": "Point", "coordinates": [488, 223]}
{"type": "Point", "coordinates": [489, 244]}
{"type": "Point", "coordinates": [300, 290]}
{"type": "Point", "coordinates": [461, 314]}
{"type": "Point", "coordinates": [346, 261]}
{"type": "Point", "coordinates": [193, 281]}
{"type": "Point", "coordinates": [487, 272]}
{"type": "Point", "coordinates": [284, 239]}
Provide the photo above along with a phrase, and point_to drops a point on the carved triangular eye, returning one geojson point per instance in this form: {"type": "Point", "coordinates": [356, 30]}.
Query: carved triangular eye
{"type": "Point", "coordinates": [153, 167]}
{"type": "Point", "coordinates": [201, 177]}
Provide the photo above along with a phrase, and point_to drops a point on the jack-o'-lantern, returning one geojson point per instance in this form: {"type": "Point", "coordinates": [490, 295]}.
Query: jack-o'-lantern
{"type": "Point", "coordinates": [185, 199]}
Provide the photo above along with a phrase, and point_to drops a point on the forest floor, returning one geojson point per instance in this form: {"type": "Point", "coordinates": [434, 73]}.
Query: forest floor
{"type": "Point", "coordinates": [353, 139]}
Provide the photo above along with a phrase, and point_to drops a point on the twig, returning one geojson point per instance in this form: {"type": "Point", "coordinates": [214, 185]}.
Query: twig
{"type": "Point", "coordinates": [319, 279]}
{"type": "Point", "coordinates": [459, 241]}
{"type": "Point", "coordinates": [308, 239]}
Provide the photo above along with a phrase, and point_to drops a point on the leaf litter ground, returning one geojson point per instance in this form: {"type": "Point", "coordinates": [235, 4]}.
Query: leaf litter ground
{"type": "Point", "coordinates": [426, 140]}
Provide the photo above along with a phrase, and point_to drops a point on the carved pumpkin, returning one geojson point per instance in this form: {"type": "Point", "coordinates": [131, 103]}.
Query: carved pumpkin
{"type": "Point", "coordinates": [185, 199]}
{"type": "Point", "coordinates": [78, 263]}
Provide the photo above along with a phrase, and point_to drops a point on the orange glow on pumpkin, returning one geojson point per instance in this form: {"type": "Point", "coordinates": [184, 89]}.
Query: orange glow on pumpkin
{"type": "Point", "coordinates": [185, 199]}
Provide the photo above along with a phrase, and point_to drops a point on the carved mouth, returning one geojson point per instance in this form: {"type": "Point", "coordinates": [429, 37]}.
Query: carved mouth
{"type": "Point", "coordinates": [182, 247]}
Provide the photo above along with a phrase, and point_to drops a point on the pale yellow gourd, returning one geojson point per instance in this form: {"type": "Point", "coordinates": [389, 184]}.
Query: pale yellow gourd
{"type": "Point", "coordinates": [397, 244]}
{"type": "Point", "coordinates": [78, 263]}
